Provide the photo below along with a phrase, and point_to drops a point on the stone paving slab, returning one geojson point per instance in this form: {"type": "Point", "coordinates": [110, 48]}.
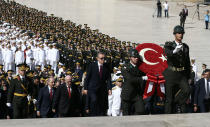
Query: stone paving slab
{"type": "Point", "coordinates": [175, 120]}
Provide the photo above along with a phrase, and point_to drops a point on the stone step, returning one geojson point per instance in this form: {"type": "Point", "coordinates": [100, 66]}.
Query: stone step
{"type": "Point", "coordinates": [175, 120]}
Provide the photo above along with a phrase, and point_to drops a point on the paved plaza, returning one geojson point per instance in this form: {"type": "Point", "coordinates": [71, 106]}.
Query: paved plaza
{"type": "Point", "coordinates": [131, 20]}
{"type": "Point", "coordinates": [176, 120]}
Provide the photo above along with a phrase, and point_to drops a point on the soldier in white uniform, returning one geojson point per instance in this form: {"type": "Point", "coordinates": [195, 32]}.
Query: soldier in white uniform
{"type": "Point", "coordinates": [3, 50]}
{"type": "Point", "coordinates": [54, 58]}
{"type": "Point", "coordinates": [23, 46]}
{"type": "Point", "coordinates": [41, 57]}
{"type": "Point", "coordinates": [195, 69]}
{"type": "Point", "coordinates": [47, 51]}
{"type": "Point", "coordinates": [13, 48]}
{"type": "Point", "coordinates": [29, 57]}
{"type": "Point", "coordinates": [115, 100]}
{"type": "Point", "coordinates": [36, 54]}
{"type": "Point", "coordinates": [1, 57]}
{"type": "Point", "coordinates": [8, 59]}
{"type": "Point", "coordinates": [60, 69]}
{"type": "Point", "coordinates": [19, 58]}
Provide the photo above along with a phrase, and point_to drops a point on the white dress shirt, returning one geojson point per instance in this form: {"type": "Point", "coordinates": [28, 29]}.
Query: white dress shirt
{"type": "Point", "coordinates": [206, 87]}
{"type": "Point", "coordinates": [99, 65]}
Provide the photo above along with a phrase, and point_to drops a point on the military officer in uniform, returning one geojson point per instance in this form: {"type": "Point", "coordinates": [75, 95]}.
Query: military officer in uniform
{"type": "Point", "coordinates": [9, 76]}
{"type": "Point", "coordinates": [132, 89]}
{"type": "Point", "coordinates": [1, 69]}
{"type": "Point", "coordinates": [19, 93]}
{"type": "Point", "coordinates": [178, 72]}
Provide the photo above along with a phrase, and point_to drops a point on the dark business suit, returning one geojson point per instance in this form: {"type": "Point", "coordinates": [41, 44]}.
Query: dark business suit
{"type": "Point", "coordinates": [177, 79]}
{"type": "Point", "coordinates": [200, 94]}
{"type": "Point", "coordinates": [98, 89]}
{"type": "Point", "coordinates": [67, 106]}
{"type": "Point", "coordinates": [44, 102]}
{"type": "Point", "coordinates": [183, 15]}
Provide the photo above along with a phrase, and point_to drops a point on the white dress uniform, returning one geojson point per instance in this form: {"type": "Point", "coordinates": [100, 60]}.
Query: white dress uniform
{"type": "Point", "coordinates": [19, 59]}
{"type": "Point", "coordinates": [115, 102]}
{"type": "Point", "coordinates": [41, 57]}
{"type": "Point", "coordinates": [46, 48]}
{"type": "Point", "coordinates": [1, 57]}
{"type": "Point", "coordinates": [29, 58]}
{"type": "Point", "coordinates": [54, 58]}
{"type": "Point", "coordinates": [195, 69]}
{"type": "Point", "coordinates": [23, 47]}
{"type": "Point", "coordinates": [8, 59]}
{"type": "Point", "coordinates": [3, 51]}
{"type": "Point", "coordinates": [60, 71]}
{"type": "Point", "coordinates": [36, 55]}
{"type": "Point", "coordinates": [13, 48]}
{"type": "Point", "coordinates": [110, 97]}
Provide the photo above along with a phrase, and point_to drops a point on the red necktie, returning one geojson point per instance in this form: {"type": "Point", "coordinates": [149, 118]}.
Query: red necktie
{"type": "Point", "coordinates": [69, 91]}
{"type": "Point", "coordinates": [100, 71]}
{"type": "Point", "coordinates": [51, 93]}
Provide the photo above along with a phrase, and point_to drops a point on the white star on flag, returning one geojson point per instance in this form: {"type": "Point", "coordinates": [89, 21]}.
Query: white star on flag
{"type": "Point", "coordinates": [163, 58]}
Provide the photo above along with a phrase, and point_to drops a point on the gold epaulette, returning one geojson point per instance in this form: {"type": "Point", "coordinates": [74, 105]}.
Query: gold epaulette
{"type": "Point", "coordinates": [20, 95]}
{"type": "Point", "coordinates": [117, 57]}
{"type": "Point", "coordinates": [76, 76]}
{"type": "Point", "coordinates": [77, 83]}
{"type": "Point", "coordinates": [16, 77]}
{"type": "Point", "coordinates": [114, 88]}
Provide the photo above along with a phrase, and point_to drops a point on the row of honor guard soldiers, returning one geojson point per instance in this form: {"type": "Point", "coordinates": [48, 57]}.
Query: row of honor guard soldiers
{"type": "Point", "coordinates": [87, 54]}
{"type": "Point", "coordinates": [75, 43]}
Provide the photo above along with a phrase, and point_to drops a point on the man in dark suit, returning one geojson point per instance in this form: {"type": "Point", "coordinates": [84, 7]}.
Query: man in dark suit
{"type": "Point", "coordinates": [183, 15]}
{"type": "Point", "coordinates": [97, 86]}
{"type": "Point", "coordinates": [67, 99]}
{"type": "Point", "coordinates": [45, 99]}
{"type": "Point", "coordinates": [132, 89]}
{"type": "Point", "coordinates": [202, 93]}
{"type": "Point", "coordinates": [159, 9]}
{"type": "Point", "coordinates": [178, 72]}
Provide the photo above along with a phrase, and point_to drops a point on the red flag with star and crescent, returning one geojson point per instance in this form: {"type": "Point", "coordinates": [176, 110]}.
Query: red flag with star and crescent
{"type": "Point", "coordinates": [154, 63]}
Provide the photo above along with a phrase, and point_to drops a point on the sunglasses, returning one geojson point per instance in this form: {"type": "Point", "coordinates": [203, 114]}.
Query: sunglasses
{"type": "Point", "coordinates": [102, 58]}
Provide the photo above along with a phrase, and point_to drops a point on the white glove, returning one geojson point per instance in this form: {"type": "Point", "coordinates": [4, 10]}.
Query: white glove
{"type": "Point", "coordinates": [145, 78]}
{"type": "Point", "coordinates": [34, 101]}
{"type": "Point", "coordinates": [8, 104]}
{"type": "Point", "coordinates": [177, 49]}
{"type": "Point", "coordinates": [29, 97]}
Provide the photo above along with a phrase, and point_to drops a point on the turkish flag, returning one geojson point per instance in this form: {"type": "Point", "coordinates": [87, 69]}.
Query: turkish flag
{"type": "Point", "coordinates": [154, 60]}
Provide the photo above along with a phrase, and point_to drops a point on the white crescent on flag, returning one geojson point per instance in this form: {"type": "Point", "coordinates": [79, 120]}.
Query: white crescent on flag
{"type": "Point", "coordinates": [142, 52]}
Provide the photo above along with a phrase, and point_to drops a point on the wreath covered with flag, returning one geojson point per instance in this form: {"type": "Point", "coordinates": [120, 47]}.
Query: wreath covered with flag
{"type": "Point", "coordinates": [154, 63]}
